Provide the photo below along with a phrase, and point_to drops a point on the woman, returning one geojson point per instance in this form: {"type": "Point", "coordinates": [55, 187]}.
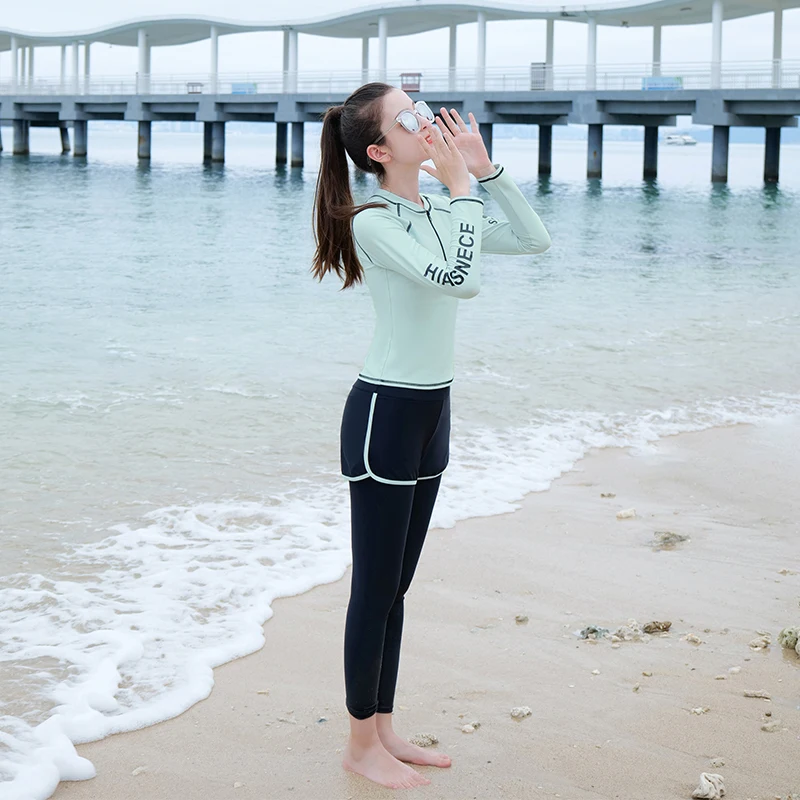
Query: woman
{"type": "Point", "coordinates": [418, 254]}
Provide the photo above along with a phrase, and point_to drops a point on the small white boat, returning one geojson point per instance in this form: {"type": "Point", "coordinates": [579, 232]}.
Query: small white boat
{"type": "Point", "coordinates": [679, 139]}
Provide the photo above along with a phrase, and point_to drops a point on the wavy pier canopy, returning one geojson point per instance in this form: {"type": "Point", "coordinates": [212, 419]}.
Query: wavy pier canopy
{"type": "Point", "coordinates": [403, 19]}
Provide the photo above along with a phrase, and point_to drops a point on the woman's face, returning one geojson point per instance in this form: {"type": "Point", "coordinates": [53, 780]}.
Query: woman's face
{"type": "Point", "coordinates": [401, 146]}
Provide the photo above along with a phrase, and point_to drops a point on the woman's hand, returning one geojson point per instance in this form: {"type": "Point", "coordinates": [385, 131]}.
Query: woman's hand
{"type": "Point", "coordinates": [468, 140]}
{"type": "Point", "coordinates": [449, 165]}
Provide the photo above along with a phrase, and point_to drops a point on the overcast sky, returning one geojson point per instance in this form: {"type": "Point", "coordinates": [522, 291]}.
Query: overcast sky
{"type": "Point", "coordinates": [508, 43]}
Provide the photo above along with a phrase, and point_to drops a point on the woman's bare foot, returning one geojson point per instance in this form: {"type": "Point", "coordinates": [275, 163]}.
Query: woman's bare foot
{"type": "Point", "coordinates": [405, 751]}
{"type": "Point", "coordinates": [379, 765]}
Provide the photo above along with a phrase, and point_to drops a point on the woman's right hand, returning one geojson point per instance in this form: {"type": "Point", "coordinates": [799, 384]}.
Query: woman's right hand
{"type": "Point", "coordinates": [449, 165]}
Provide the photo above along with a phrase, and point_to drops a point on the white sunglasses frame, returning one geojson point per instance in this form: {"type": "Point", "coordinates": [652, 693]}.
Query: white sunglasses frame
{"type": "Point", "coordinates": [414, 114]}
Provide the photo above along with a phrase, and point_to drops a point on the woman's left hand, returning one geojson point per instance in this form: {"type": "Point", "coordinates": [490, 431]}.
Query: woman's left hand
{"type": "Point", "coordinates": [469, 142]}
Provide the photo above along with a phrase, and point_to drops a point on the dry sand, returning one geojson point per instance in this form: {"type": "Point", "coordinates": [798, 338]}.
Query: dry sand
{"type": "Point", "coordinates": [566, 561]}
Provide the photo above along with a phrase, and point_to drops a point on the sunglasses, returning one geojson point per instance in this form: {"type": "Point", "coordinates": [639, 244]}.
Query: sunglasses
{"type": "Point", "coordinates": [410, 119]}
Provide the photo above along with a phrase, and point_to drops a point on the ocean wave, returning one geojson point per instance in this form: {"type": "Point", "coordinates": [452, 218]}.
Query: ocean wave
{"type": "Point", "coordinates": [142, 617]}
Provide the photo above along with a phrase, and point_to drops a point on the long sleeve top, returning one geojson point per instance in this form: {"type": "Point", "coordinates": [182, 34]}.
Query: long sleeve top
{"type": "Point", "coordinates": [420, 261]}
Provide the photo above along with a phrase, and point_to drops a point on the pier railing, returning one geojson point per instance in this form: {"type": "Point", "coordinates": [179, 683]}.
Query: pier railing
{"type": "Point", "coordinates": [536, 77]}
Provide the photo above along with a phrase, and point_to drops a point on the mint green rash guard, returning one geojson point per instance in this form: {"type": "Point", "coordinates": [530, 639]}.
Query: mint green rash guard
{"type": "Point", "coordinates": [419, 262]}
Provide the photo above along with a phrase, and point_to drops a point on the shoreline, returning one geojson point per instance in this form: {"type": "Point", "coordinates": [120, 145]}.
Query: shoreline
{"type": "Point", "coordinates": [590, 735]}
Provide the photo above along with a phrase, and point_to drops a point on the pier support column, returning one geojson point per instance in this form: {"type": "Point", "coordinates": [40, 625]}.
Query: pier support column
{"type": "Point", "coordinates": [281, 143]}
{"type": "Point", "coordinates": [548, 59]}
{"type": "Point", "coordinates": [22, 141]}
{"type": "Point", "coordinates": [145, 139]}
{"type": "Point", "coordinates": [481, 82]}
{"type": "Point", "coordinates": [719, 155]}
{"type": "Point", "coordinates": [716, 44]}
{"type": "Point", "coordinates": [486, 129]}
{"type": "Point", "coordinates": [772, 155]}
{"type": "Point", "coordinates": [383, 44]}
{"type": "Point", "coordinates": [451, 72]}
{"type": "Point", "coordinates": [777, 47]}
{"type": "Point", "coordinates": [218, 142]}
{"type": "Point", "coordinates": [591, 55]}
{"type": "Point", "coordinates": [298, 141]}
{"type": "Point", "coordinates": [80, 131]}
{"type": "Point", "coordinates": [214, 59]}
{"type": "Point", "coordinates": [545, 149]}
{"type": "Point", "coordinates": [207, 140]}
{"type": "Point", "coordinates": [365, 59]}
{"type": "Point", "coordinates": [656, 49]}
{"type": "Point", "coordinates": [650, 151]}
{"type": "Point", "coordinates": [65, 148]}
{"type": "Point", "coordinates": [594, 154]}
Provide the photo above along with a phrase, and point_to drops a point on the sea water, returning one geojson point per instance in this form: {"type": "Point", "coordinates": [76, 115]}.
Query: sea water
{"type": "Point", "coordinates": [172, 381]}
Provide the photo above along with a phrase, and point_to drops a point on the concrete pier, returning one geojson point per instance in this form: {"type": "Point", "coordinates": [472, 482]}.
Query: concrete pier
{"type": "Point", "coordinates": [298, 141]}
{"type": "Point", "coordinates": [487, 129]}
{"type": "Point", "coordinates": [207, 140]}
{"type": "Point", "coordinates": [545, 149]}
{"type": "Point", "coordinates": [650, 151]}
{"type": "Point", "coordinates": [772, 155]}
{"type": "Point", "coordinates": [594, 155]}
{"type": "Point", "coordinates": [218, 142]}
{"type": "Point", "coordinates": [80, 130]}
{"type": "Point", "coordinates": [64, 130]}
{"type": "Point", "coordinates": [719, 154]}
{"type": "Point", "coordinates": [652, 109]}
{"type": "Point", "coordinates": [145, 139]}
{"type": "Point", "coordinates": [281, 143]}
{"type": "Point", "coordinates": [22, 140]}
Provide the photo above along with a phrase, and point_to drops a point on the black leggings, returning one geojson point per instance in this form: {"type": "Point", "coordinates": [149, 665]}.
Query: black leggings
{"type": "Point", "coordinates": [389, 524]}
{"type": "Point", "coordinates": [395, 445]}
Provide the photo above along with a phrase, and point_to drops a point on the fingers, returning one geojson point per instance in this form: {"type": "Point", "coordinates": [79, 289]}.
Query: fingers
{"type": "Point", "coordinates": [473, 123]}
{"type": "Point", "coordinates": [461, 124]}
{"type": "Point", "coordinates": [438, 133]}
{"type": "Point", "coordinates": [449, 141]}
{"type": "Point", "coordinates": [453, 126]}
{"type": "Point", "coordinates": [445, 136]}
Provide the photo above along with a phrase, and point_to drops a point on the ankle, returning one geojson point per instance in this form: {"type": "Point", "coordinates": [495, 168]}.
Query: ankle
{"type": "Point", "coordinates": [364, 742]}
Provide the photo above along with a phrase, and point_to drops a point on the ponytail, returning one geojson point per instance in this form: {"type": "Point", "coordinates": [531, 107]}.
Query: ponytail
{"type": "Point", "coordinates": [347, 129]}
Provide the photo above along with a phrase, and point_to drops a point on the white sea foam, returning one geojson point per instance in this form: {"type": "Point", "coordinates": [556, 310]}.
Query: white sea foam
{"type": "Point", "coordinates": [140, 619]}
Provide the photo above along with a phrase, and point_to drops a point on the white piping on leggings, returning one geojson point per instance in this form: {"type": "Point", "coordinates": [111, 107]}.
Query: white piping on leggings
{"type": "Point", "coordinates": [370, 473]}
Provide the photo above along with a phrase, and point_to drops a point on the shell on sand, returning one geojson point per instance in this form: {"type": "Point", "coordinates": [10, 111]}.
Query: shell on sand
{"type": "Point", "coordinates": [626, 513]}
{"type": "Point", "coordinates": [789, 637]}
{"type": "Point", "coordinates": [656, 627]}
{"type": "Point", "coordinates": [666, 540]}
{"type": "Point", "coordinates": [760, 643]}
{"type": "Point", "coordinates": [424, 739]}
{"type": "Point", "coordinates": [760, 695]}
{"type": "Point", "coordinates": [771, 726]}
{"type": "Point", "coordinates": [711, 787]}
{"type": "Point", "coordinates": [520, 712]}
{"type": "Point", "coordinates": [693, 638]}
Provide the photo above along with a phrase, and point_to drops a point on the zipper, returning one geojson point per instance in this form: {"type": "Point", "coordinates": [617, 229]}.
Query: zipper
{"type": "Point", "coordinates": [428, 214]}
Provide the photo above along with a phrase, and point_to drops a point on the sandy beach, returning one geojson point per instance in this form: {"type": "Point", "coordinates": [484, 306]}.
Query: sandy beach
{"type": "Point", "coordinates": [274, 725]}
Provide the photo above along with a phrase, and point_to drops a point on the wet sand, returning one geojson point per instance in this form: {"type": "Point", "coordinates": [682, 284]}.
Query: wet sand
{"type": "Point", "coordinates": [275, 725]}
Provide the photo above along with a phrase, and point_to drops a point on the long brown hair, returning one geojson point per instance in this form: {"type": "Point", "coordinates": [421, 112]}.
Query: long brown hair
{"type": "Point", "coordinates": [349, 128]}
